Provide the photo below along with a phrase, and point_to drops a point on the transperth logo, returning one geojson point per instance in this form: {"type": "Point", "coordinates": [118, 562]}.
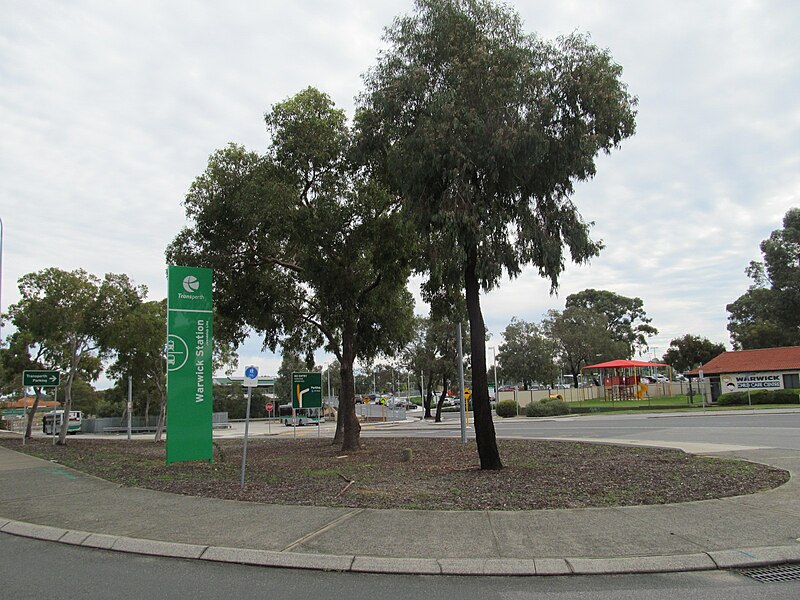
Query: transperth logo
{"type": "Point", "coordinates": [191, 284]}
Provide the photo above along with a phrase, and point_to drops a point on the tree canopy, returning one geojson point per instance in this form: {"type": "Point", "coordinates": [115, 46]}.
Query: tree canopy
{"type": "Point", "coordinates": [527, 354]}
{"type": "Point", "coordinates": [69, 317]}
{"type": "Point", "coordinates": [306, 250]}
{"type": "Point", "coordinates": [627, 319]}
{"type": "Point", "coordinates": [483, 130]}
{"type": "Point", "coordinates": [767, 315]}
{"type": "Point", "coordinates": [690, 351]}
{"type": "Point", "coordinates": [583, 337]}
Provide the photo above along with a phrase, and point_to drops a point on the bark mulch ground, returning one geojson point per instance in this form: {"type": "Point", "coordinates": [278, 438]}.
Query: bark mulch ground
{"type": "Point", "coordinates": [442, 474]}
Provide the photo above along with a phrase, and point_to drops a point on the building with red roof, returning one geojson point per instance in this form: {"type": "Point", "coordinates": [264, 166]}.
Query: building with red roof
{"type": "Point", "coordinates": [761, 369]}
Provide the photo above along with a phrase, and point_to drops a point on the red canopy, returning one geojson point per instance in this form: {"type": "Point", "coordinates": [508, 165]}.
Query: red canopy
{"type": "Point", "coordinates": [624, 364]}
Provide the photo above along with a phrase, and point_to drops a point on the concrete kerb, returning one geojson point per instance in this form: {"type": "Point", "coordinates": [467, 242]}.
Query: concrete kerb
{"type": "Point", "coordinates": [713, 560]}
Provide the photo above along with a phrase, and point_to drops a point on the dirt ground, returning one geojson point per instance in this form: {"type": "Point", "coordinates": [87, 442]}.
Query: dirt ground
{"type": "Point", "coordinates": [441, 474]}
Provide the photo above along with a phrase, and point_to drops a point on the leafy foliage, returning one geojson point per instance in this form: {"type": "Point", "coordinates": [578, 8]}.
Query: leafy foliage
{"type": "Point", "coordinates": [527, 354]}
{"type": "Point", "coordinates": [627, 320]}
{"type": "Point", "coordinates": [306, 250]}
{"type": "Point", "coordinates": [690, 351]}
{"type": "Point", "coordinates": [434, 352]}
{"type": "Point", "coordinates": [547, 407]}
{"type": "Point", "coordinates": [583, 338]}
{"type": "Point", "coordinates": [507, 408]}
{"type": "Point", "coordinates": [760, 397]}
{"type": "Point", "coordinates": [768, 314]}
{"type": "Point", "coordinates": [68, 318]}
{"type": "Point", "coordinates": [483, 130]}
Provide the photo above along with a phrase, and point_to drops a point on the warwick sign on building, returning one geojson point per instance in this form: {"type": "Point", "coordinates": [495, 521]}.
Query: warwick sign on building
{"type": "Point", "coordinates": [189, 369]}
{"type": "Point", "coordinates": [762, 369]}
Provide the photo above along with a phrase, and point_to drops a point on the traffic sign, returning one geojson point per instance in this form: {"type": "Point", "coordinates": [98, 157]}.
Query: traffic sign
{"type": "Point", "coordinates": [251, 376]}
{"type": "Point", "coordinates": [306, 390]}
{"type": "Point", "coordinates": [269, 406]}
{"type": "Point", "coordinates": [41, 378]}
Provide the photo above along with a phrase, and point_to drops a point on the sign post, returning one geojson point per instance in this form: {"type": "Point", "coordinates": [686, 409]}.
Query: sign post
{"type": "Point", "coordinates": [250, 381]}
{"type": "Point", "coordinates": [189, 369]}
{"type": "Point", "coordinates": [269, 406]}
{"type": "Point", "coordinates": [702, 384]}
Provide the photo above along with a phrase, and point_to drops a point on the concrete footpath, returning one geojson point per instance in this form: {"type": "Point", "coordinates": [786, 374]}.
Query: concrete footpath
{"type": "Point", "coordinates": [48, 501]}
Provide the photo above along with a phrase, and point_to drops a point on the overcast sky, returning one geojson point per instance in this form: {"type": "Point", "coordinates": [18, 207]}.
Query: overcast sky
{"type": "Point", "coordinates": [109, 110]}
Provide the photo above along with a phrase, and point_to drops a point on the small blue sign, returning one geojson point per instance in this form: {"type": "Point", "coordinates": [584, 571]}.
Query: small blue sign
{"type": "Point", "coordinates": [251, 372]}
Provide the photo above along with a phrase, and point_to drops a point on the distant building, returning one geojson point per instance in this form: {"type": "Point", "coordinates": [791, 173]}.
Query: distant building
{"type": "Point", "coordinates": [27, 402]}
{"type": "Point", "coordinates": [742, 370]}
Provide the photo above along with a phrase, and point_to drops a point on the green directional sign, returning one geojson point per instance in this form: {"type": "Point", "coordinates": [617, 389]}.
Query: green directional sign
{"type": "Point", "coordinates": [189, 370]}
{"type": "Point", "coordinates": [41, 378]}
{"type": "Point", "coordinates": [306, 390]}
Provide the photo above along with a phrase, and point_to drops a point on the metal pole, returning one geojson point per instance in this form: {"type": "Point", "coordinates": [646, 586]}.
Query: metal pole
{"type": "Point", "coordinates": [246, 429]}
{"type": "Point", "coordinates": [463, 413]}
{"type": "Point", "coordinates": [422, 393]}
{"type": "Point", "coordinates": [130, 405]}
{"type": "Point", "coordinates": [494, 361]}
{"type": "Point", "coordinates": [55, 398]}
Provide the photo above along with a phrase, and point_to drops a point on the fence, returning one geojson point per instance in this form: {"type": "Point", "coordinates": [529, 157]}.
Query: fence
{"type": "Point", "coordinates": [654, 390]}
{"type": "Point", "coordinates": [379, 412]}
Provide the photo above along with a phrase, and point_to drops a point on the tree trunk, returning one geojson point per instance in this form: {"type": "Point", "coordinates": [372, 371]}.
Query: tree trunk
{"type": "Point", "coordinates": [351, 428]}
{"type": "Point", "coordinates": [440, 403]}
{"type": "Point", "coordinates": [162, 414]}
{"type": "Point", "coordinates": [339, 435]}
{"type": "Point", "coordinates": [62, 435]}
{"type": "Point", "coordinates": [485, 437]}
{"type": "Point", "coordinates": [29, 426]}
{"type": "Point", "coordinates": [428, 399]}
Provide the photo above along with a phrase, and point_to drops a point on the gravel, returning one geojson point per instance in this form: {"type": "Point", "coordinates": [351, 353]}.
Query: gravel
{"type": "Point", "coordinates": [441, 474]}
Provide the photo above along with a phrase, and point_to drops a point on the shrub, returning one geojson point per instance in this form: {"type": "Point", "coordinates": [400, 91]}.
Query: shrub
{"type": "Point", "coordinates": [548, 407]}
{"type": "Point", "coordinates": [759, 397]}
{"type": "Point", "coordinates": [506, 408]}
{"type": "Point", "coordinates": [786, 396]}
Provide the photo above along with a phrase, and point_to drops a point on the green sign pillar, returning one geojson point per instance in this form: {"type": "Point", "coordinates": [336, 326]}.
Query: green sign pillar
{"type": "Point", "coordinates": [189, 369]}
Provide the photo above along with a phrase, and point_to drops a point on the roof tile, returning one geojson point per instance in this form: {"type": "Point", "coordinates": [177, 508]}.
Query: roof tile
{"type": "Point", "coordinates": [763, 359]}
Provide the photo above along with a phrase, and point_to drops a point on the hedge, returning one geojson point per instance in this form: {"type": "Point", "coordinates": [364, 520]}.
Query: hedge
{"type": "Point", "coordinates": [547, 407]}
{"type": "Point", "coordinates": [506, 408]}
{"type": "Point", "coordinates": [760, 397]}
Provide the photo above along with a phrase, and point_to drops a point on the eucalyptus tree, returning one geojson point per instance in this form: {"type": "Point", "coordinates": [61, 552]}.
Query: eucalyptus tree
{"type": "Point", "coordinates": [690, 351]}
{"type": "Point", "coordinates": [768, 313]}
{"type": "Point", "coordinates": [483, 130]}
{"type": "Point", "coordinates": [582, 337]}
{"type": "Point", "coordinates": [68, 318]}
{"type": "Point", "coordinates": [138, 341]}
{"type": "Point", "coordinates": [627, 320]}
{"type": "Point", "coordinates": [306, 250]}
{"type": "Point", "coordinates": [23, 354]}
{"type": "Point", "coordinates": [528, 354]}
{"type": "Point", "coordinates": [433, 355]}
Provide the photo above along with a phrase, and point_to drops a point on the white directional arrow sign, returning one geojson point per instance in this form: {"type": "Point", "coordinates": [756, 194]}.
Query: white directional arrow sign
{"type": "Point", "coordinates": [41, 378]}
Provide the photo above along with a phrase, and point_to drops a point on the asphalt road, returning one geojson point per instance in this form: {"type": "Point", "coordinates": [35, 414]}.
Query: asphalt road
{"type": "Point", "coordinates": [33, 569]}
{"type": "Point", "coordinates": [743, 428]}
